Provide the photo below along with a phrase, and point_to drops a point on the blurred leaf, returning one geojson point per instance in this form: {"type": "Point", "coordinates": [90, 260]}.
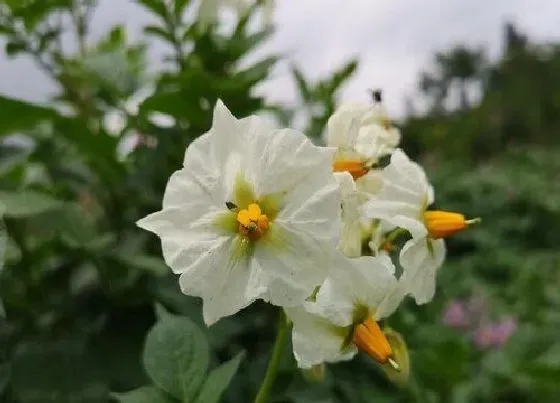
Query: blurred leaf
{"type": "Point", "coordinates": [57, 372]}
{"type": "Point", "coordinates": [341, 75]}
{"type": "Point", "coordinates": [34, 12]}
{"type": "Point", "coordinates": [150, 264]}
{"type": "Point", "coordinates": [302, 85]}
{"type": "Point", "coordinates": [400, 355]}
{"type": "Point", "coordinates": [146, 394]}
{"type": "Point", "coordinates": [176, 357]}
{"type": "Point", "coordinates": [71, 223]}
{"type": "Point", "coordinates": [17, 115]}
{"type": "Point", "coordinates": [159, 32]}
{"type": "Point", "coordinates": [156, 6]}
{"type": "Point", "coordinates": [179, 8]}
{"type": "Point", "coordinates": [218, 380]}
{"type": "Point", "coordinates": [27, 202]}
{"type": "Point", "coordinates": [15, 47]}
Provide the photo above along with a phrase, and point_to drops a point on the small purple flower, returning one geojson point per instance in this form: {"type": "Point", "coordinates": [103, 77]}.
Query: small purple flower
{"type": "Point", "coordinates": [455, 315]}
{"type": "Point", "coordinates": [495, 334]}
{"type": "Point", "coordinates": [504, 330]}
{"type": "Point", "coordinates": [484, 336]}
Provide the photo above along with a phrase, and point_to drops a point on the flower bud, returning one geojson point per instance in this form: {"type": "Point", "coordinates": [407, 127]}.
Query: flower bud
{"type": "Point", "coordinates": [400, 356]}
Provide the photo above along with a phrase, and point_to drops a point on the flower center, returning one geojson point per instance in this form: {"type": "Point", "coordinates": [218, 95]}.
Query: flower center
{"type": "Point", "coordinates": [368, 337]}
{"type": "Point", "coordinates": [356, 168]}
{"type": "Point", "coordinates": [253, 224]}
{"type": "Point", "coordinates": [443, 224]}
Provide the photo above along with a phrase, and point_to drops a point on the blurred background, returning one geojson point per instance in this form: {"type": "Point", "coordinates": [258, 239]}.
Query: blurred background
{"type": "Point", "coordinates": [99, 99]}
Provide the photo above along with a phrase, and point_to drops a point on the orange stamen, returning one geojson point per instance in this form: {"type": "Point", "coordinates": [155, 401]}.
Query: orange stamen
{"type": "Point", "coordinates": [368, 337]}
{"type": "Point", "coordinates": [356, 168]}
{"type": "Point", "coordinates": [443, 224]}
{"type": "Point", "coordinates": [252, 223]}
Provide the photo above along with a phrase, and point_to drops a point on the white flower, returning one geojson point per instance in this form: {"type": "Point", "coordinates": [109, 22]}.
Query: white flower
{"type": "Point", "coordinates": [403, 202]}
{"type": "Point", "coordinates": [357, 293]}
{"type": "Point", "coordinates": [362, 135]}
{"type": "Point", "coordinates": [353, 224]}
{"type": "Point", "coordinates": [253, 213]}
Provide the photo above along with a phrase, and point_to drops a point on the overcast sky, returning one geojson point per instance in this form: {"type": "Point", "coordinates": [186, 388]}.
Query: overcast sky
{"type": "Point", "coordinates": [394, 40]}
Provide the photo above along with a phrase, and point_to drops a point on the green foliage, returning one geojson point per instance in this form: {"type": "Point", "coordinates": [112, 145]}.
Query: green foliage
{"type": "Point", "coordinates": [81, 281]}
{"type": "Point", "coordinates": [176, 357]}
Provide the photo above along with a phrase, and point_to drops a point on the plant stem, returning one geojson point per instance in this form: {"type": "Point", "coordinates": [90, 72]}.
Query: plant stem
{"type": "Point", "coordinates": [277, 350]}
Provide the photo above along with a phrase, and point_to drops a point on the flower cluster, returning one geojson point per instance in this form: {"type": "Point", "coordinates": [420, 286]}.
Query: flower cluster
{"type": "Point", "coordinates": [472, 317]}
{"type": "Point", "coordinates": [334, 235]}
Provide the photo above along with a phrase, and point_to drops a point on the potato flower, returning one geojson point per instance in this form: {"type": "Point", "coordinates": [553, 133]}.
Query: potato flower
{"type": "Point", "coordinates": [403, 202]}
{"type": "Point", "coordinates": [254, 213]}
{"type": "Point", "coordinates": [343, 317]}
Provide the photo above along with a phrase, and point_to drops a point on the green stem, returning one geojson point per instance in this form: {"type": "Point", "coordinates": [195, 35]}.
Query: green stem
{"type": "Point", "coordinates": [277, 350]}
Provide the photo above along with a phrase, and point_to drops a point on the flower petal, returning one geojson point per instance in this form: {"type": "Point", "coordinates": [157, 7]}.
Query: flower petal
{"type": "Point", "coordinates": [313, 208]}
{"type": "Point", "coordinates": [420, 259]}
{"type": "Point", "coordinates": [315, 340]}
{"type": "Point", "coordinates": [220, 277]}
{"type": "Point", "coordinates": [365, 280]}
{"type": "Point", "coordinates": [284, 158]}
{"type": "Point", "coordinates": [405, 189]}
{"type": "Point", "coordinates": [350, 243]}
{"type": "Point", "coordinates": [344, 125]}
{"type": "Point", "coordinates": [295, 261]}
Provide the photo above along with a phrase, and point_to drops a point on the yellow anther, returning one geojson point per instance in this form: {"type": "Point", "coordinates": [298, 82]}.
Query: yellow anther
{"type": "Point", "coordinates": [356, 168]}
{"type": "Point", "coordinates": [254, 211]}
{"type": "Point", "coordinates": [443, 224]}
{"type": "Point", "coordinates": [368, 337]}
{"type": "Point", "coordinates": [252, 223]}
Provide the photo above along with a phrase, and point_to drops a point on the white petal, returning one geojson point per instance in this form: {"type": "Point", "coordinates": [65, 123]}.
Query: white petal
{"type": "Point", "coordinates": [186, 225]}
{"type": "Point", "coordinates": [371, 183]}
{"type": "Point", "coordinates": [313, 208]}
{"type": "Point", "coordinates": [284, 158]}
{"type": "Point", "coordinates": [420, 264]}
{"type": "Point", "coordinates": [315, 340]}
{"type": "Point", "coordinates": [405, 189]}
{"type": "Point", "coordinates": [220, 279]}
{"type": "Point", "coordinates": [365, 280]}
{"type": "Point", "coordinates": [294, 262]}
{"type": "Point", "coordinates": [344, 125]}
{"type": "Point", "coordinates": [350, 243]}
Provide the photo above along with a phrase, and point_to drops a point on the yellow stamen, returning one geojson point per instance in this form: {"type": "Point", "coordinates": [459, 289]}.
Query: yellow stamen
{"type": "Point", "coordinates": [368, 337]}
{"type": "Point", "coordinates": [252, 223]}
{"type": "Point", "coordinates": [356, 168]}
{"type": "Point", "coordinates": [443, 224]}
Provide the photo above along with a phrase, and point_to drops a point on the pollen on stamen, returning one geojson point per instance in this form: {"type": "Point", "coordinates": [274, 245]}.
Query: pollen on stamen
{"type": "Point", "coordinates": [356, 168]}
{"type": "Point", "coordinates": [252, 223]}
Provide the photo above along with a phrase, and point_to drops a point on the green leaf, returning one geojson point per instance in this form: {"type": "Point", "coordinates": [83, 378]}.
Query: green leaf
{"type": "Point", "coordinates": [16, 115]}
{"type": "Point", "coordinates": [71, 223]}
{"type": "Point", "coordinates": [180, 8]}
{"type": "Point", "coordinates": [159, 32]}
{"type": "Point", "coordinates": [218, 380]}
{"type": "Point", "coordinates": [149, 264]}
{"type": "Point", "coordinates": [15, 47]}
{"type": "Point", "coordinates": [146, 394]}
{"type": "Point", "coordinates": [176, 357]}
{"type": "Point", "coordinates": [302, 85]}
{"type": "Point", "coordinates": [341, 75]}
{"type": "Point", "coordinates": [57, 372]}
{"type": "Point", "coordinates": [27, 203]}
{"type": "Point", "coordinates": [155, 6]}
